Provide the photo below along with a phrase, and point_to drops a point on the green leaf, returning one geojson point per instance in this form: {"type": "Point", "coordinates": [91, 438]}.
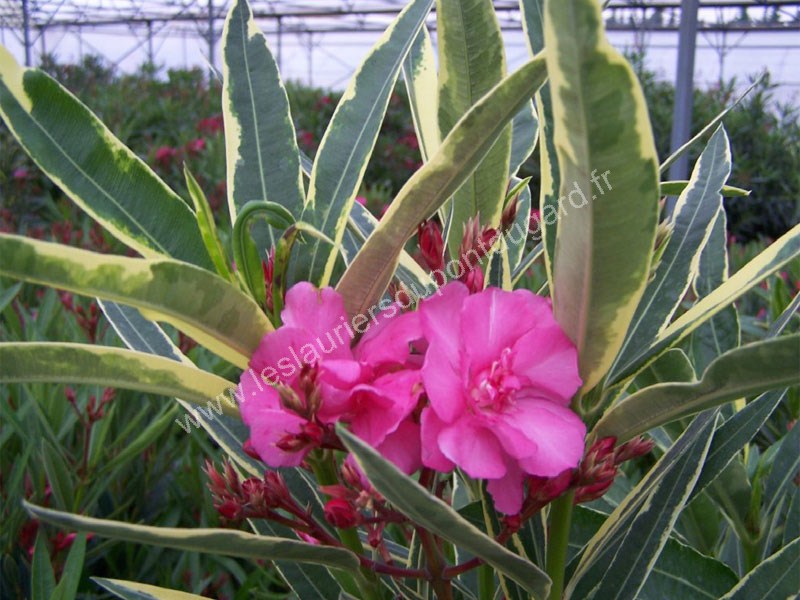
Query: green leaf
{"type": "Point", "coordinates": [199, 303]}
{"type": "Point", "coordinates": [750, 369]}
{"type": "Point", "coordinates": [350, 138]}
{"type": "Point", "coordinates": [733, 434]}
{"type": "Point", "coordinates": [225, 542]}
{"type": "Point", "coordinates": [550, 180]}
{"type": "Point", "coordinates": [607, 159]}
{"type": "Point", "coordinates": [43, 581]}
{"type": "Point", "coordinates": [785, 466]}
{"type": "Point", "coordinates": [680, 571]}
{"type": "Point", "coordinates": [771, 260]}
{"type": "Point", "coordinates": [131, 590]}
{"type": "Point", "coordinates": [721, 332]}
{"type": "Point", "coordinates": [471, 62]}
{"type": "Point", "coordinates": [517, 235]}
{"type": "Point", "coordinates": [67, 588]}
{"type": "Point", "coordinates": [775, 577]}
{"type": "Point", "coordinates": [208, 227]}
{"type": "Point", "coordinates": [101, 175]}
{"type": "Point", "coordinates": [675, 188]}
{"type": "Point", "coordinates": [419, 74]}
{"type": "Point", "coordinates": [524, 135]}
{"type": "Point", "coordinates": [621, 555]}
{"type": "Point", "coordinates": [694, 218]}
{"type": "Point", "coordinates": [439, 518]}
{"type": "Point", "coordinates": [707, 129]}
{"type": "Point", "coordinates": [526, 262]}
{"type": "Point", "coordinates": [413, 276]}
{"type": "Point", "coordinates": [8, 295]}
{"type": "Point", "coordinates": [113, 367]}
{"type": "Point", "coordinates": [460, 153]}
{"type": "Point", "coordinates": [55, 466]}
{"type": "Point", "coordinates": [263, 160]}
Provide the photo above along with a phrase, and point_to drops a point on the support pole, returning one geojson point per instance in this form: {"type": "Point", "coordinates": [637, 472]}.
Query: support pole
{"type": "Point", "coordinates": [211, 39]}
{"type": "Point", "coordinates": [150, 56]}
{"type": "Point", "coordinates": [26, 31]}
{"type": "Point", "coordinates": [280, 44]}
{"type": "Point", "coordinates": [684, 90]}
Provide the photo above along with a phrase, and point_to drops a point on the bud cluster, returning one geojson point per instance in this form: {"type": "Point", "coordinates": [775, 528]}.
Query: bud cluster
{"type": "Point", "coordinates": [599, 467]}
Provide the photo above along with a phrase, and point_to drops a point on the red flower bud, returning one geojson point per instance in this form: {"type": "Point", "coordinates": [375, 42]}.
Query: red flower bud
{"type": "Point", "coordinates": [431, 245]}
{"type": "Point", "coordinates": [340, 513]}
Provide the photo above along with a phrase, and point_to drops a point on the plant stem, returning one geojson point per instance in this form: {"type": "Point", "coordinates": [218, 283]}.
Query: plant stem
{"type": "Point", "coordinates": [558, 541]}
{"type": "Point", "coordinates": [441, 586]}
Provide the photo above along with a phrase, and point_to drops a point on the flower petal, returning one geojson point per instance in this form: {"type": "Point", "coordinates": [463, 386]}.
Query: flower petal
{"type": "Point", "coordinates": [403, 447]}
{"type": "Point", "coordinates": [508, 492]}
{"type": "Point", "coordinates": [389, 341]}
{"type": "Point", "coordinates": [319, 312]}
{"type": "Point", "coordinates": [432, 456]}
{"type": "Point", "coordinates": [547, 361]}
{"type": "Point", "coordinates": [444, 385]}
{"type": "Point", "coordinates": [558, 432]}
{"type": "Point", "coordinates": [441, 320]}
{"type": "Point", "coordinates": [473, 448]}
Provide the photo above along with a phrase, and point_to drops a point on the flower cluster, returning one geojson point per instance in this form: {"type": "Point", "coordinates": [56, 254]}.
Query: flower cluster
{"type": "Point", "coordinates": [452, 384]}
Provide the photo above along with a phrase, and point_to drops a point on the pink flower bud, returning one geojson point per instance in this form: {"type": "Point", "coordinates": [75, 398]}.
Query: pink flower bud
{"type": "Point", "coordinates": [340, 513]}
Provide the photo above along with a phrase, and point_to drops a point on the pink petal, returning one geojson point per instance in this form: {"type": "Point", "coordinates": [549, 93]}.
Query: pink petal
{"type": "Point", "coordinates": [473, 448]}
{"type": "Point", "coordinates": [508, 492]}
{"type": "Point", "coordinates": [380, 407]}
{"type": "Point", "coordinates": [267, 427]}
{"type": "Point", "coordinates": [558, 432]}
{"type": "Point", "coordinates": [278, 355]}
{"type": "Point", "coordinates": [389, 341]}
{"type": "Point", "coordinates": [494, 320]}
{"type": "Point", "coordinates": [341, 373]}
{"type": "Point", "coordinates": [443, 385]}
{"type": "Point", "coordinates": [319, 312]}
{"type": "Point", "coordinates": [402, 447]}
{"type": "Point", "coordinates": [548, 362]}
{"type": "Point", "coordinates": [432, 456]}
{"type": "Point", "coordinates": [441, 320]}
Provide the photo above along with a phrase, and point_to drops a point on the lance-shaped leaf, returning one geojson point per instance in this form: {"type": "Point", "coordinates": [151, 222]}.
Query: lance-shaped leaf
{"type": "Point", "coordinates": [784, 468]}
{"type": "Point", "coordinates": [460, 153]}
{"type": "Point", "coordinates": [100, 174]}
{"type": "Point", "coordinates": [550, 180]}
{"type": "Point", "coordinates": [132, 590]}
{"type": "Point", "coordinates": [775, 577]}
{"type": "Point", "coordinates": [524, 135]}
{"type": "Point", "coordinates": [419, 74]}
{"type": "Point", "coordinates": [517, 235]}
{"type": "Point", "coordinates": [53, 362]}
{"type": "Point", "coordinates": [608, 207]}
{"type": "Point", "coordinates": [675, 188]}
{"type": "Point", "coordinates": [772, 259]}
{"type": "Point", "coordinates": [413, 276]}
{"type": "Point", "coordinates": [751, 369]}
{"type": "Point", "coordinates": [263, 162]}
{"type": "Point", "coordinates": [621, 555]}
{"type": "Point", "coordinates": [350, 138]}
{"type": "Point", "coordinates": [201, 304]}
{"type": "Point", "coordinates": [417, 504]}
{"type": "Point", "coordinates": [733, 434]}
{"type": "Point", "coordinates": [471, 62]}
{"type": "Point", "coordinates": [225, 542]}
{"type": "Point", "coordinates": [143, 335]}
{"type": "Point", "coordinates": [695, 215]}
{"type": "Point", "coordinates": [721, 333]}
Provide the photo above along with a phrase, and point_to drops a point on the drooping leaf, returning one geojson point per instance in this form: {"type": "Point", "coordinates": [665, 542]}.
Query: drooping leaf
{"type": "Point", "coordinates": [694, 218]}
{"type": "Point", "coordinates": [437, 517]}
{"type": "Point", "coordinates": [744, 371]}
{"type": "Point", "coordinates": [517, 235]}
{"type": "Point", "coordinates": [460, 153]}
{"type": "Point", "coordinates": [143, 335]}
{"type": "Point", "coordinates": [772, 259]}
{"type": "Point", "coordinates": [226, 542]}
{"type": "Point", "coordinates": [620, 557]}
{"type": "Point", "coordinates": [607, 161]}
{"type": "Point", "coordinates": [199, 303]}
{"type": "Point", "coordinates": [43, 580]}
{"type": "Point", "coordinates": [131, 590]}
{"type": "Point", "coordinates": [102, 176]}
{"type": "Point", "coordinates": [53, 362]}
{"type": "Point", "coordinates": [419, 74]}
{"type": "Point", "coordinates": [67, 587]}
{"type": "Point", "coordinates": [471, 62]}
{"type": "Point", "coordinates": [350, 138]}
{"type": "Point", "coordinates": [775, 577]}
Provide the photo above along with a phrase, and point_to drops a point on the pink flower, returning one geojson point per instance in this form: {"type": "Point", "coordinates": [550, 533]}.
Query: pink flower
{"type": "Point", "coordinates": [196, 146]}
{"type": "Point", "coordinates": [305, 377]}
{"type": "Point", "coordinates": [165, 155]}
{"type": "Point", "coordinates": [499, 373]}
{"type": "Point", "coordinates": [362, 200]}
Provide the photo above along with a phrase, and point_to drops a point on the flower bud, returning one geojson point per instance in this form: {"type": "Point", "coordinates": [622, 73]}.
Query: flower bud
{"type": "Point", "coordinates": [431, 244]}
{"type": "Point", "coordinates": [340, 513]}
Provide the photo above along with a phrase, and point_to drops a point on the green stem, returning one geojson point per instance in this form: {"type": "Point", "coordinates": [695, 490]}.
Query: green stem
{"type": "Point", "coordinates": [325, 473]}
{"type": "Point", "coordinates": [441, 586]}
{"type": "Point", "coordinates": [558, 542]}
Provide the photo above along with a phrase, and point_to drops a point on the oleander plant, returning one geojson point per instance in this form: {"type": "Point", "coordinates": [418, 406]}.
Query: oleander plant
{"type": "Point", "coordinates": [491, 391]}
